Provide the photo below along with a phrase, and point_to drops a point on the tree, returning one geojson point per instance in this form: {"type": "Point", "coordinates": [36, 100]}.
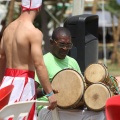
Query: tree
{"type": "Point", "coordinates": [11, 12]}
{"type": "Point", "coordinates": [114, 8]}
{"type": "Point", "coordinates": [94, 8]}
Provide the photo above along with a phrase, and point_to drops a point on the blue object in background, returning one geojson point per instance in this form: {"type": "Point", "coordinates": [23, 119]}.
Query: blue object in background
{"type": "Point", "coordinates": [118, 1]}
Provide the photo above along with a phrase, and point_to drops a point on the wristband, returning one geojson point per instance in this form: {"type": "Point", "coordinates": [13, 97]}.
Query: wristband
{"type": "Point", "coordinates": [49, 94]}
{"type": "Point", "coordinates": [43, 91]}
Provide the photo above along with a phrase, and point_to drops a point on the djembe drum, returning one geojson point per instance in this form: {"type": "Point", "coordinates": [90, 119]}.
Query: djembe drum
{"type": "Point", "coordinates": [101, 86]}
{"type": "Point", "coordinates": [97, 72]}
{"type": "Point", "coordinates": [71, 87]}
{"type": "Point", "coordinates": [95, 96]}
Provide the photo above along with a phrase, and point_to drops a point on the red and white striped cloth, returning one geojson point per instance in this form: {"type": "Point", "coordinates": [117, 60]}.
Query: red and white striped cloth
{"type": "Point", "coordinates": [24, 88]}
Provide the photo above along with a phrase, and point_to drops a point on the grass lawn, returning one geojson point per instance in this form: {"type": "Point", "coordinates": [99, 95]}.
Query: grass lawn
{"type": "Point", "coordinates": [113, 69]}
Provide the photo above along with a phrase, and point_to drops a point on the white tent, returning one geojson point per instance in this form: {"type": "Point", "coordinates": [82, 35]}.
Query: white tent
{"type": "Point", "coordinates": [107, 20]}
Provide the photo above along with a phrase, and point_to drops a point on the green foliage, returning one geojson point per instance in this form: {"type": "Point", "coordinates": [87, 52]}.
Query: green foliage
{"type": "Point", "coordinates": [37, 21]}
{"type": "Point", "coordinates": [113, 4]}
{"type": "Point", "coordinates": [113, 7]}
{"type": "Point", "coordinates": [114, 69]}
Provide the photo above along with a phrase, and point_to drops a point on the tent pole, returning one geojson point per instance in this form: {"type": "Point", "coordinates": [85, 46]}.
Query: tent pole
{"type": "Point", "coordinates": [78, 7]}
{"type": "Point", "coordinates": [104, 34]}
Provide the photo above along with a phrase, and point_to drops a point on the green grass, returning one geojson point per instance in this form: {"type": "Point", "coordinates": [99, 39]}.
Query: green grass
{"type": "Point", "coordinates": [113, 69]}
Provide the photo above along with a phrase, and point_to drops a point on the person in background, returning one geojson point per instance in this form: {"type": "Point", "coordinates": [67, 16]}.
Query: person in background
{"type": "Point", "coordinates": [57, 59]}
{"type": "Point", "coordinates": [21, 54]}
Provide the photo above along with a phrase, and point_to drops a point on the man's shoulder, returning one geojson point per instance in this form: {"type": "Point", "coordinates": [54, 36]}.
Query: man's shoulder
{"type": "Point", "coordinates": [48, 58]}
{"type": "Point", "coordinates": [8, 28]}
{"type": "Point", "coordinates": [47, 55]}
{"type": "Point", "coordinates": [71, 58]}
{"type": "Point", "coordinates": [34, 34]}
{"type": "Point", "coordinates": [34, 31]}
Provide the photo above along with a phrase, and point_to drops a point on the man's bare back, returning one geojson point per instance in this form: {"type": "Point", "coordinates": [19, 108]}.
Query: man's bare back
{"type": "Point", "coordinates": [17, 46]}
{"type": "Point", "coordinates": [21, 49]}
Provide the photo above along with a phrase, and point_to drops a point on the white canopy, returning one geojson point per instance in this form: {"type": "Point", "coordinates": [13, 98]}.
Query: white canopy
{"type": "Point", "coordinates": [106, 20]}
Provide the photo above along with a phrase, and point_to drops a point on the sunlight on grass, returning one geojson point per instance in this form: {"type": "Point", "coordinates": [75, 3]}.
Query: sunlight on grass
{"type": "Point", "coordinates": [113, 69]}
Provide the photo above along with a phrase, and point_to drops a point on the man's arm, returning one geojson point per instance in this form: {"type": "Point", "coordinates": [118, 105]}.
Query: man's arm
{"type": "Point", "coordinates": [2, 61]}
{"type": "Point", "coordinates": [40, 92]}
{"type": "Point", "coordinates": [37, 56]}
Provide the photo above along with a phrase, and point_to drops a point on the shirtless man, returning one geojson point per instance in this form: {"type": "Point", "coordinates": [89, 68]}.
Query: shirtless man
{"type": "Point", "coordinates": [21, 54]}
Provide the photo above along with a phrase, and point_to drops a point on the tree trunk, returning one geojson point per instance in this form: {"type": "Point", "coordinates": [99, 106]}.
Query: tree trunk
{"type": "Point", "coordinates": [94, 8]}
{"type": "Point", "coordinates": [44, 21]}
{"type": "Point", "coordinates": [11, 12]}
{"type": "Point", "coordinates": [116, 53]}
{"type": "Point", "coordinates": [118, 37]}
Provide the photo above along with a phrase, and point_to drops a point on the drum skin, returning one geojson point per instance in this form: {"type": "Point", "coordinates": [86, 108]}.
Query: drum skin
{"type": "Point", "coordinates": [71, 86]}
{"type": "Point", "coordinates": [98, 72]}
{"type": "Point", "coordinates": [95, 73]}
{"type": "Point", "coordinates": [96, 95]}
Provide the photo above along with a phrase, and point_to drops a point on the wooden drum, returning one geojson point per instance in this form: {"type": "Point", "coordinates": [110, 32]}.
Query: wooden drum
{"type": "Point", "coordinates": [71, 87]}
{"type": "Point", "coordinates": [95, 73]}
{"type": "Point", "coordinates": [95, 96]}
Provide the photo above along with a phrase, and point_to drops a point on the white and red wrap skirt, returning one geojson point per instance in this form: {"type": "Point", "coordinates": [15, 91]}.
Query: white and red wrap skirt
{"type": "Point", "coordinates": [24, 88]}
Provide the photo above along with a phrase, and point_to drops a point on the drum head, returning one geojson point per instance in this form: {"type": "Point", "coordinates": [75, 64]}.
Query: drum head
{"type": "Point", "coordinates": [96, 95]}
{"type": "Point", "coordinates": [95, 73]}
{"type": "Point", "coordinates": [70, 85]}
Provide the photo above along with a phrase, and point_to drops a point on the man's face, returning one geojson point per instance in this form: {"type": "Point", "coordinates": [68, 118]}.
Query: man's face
{"type": "Point", "coordinates": [61, 46]}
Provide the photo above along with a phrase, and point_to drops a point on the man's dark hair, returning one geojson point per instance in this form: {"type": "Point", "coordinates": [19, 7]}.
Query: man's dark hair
{"type": "Point", "coordinates": [60, 30]}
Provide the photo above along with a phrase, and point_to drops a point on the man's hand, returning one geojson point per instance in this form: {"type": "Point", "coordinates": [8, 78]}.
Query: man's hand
{"type": "Point", "coordinates": [52, 101]}
{"type": "Point", "coordinates": [55, 91]}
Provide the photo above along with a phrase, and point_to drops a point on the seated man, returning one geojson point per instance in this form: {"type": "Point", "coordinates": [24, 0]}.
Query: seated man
{"type": "Point", "coordinates": [57, 60]}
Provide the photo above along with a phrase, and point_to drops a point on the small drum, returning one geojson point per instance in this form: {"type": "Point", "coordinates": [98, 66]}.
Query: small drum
{"type": "Point", "coordinates": [95, 73]}
{"type": "Point", "coordinates": [95, 96]}
{"type": "Point", "coordinates": [71, 87]}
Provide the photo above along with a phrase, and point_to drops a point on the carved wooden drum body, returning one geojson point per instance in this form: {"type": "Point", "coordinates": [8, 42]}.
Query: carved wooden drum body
{"type": "Point", "coordinates": [96, 73]}
{"type": "Point", "coordinates": [101, 86]}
